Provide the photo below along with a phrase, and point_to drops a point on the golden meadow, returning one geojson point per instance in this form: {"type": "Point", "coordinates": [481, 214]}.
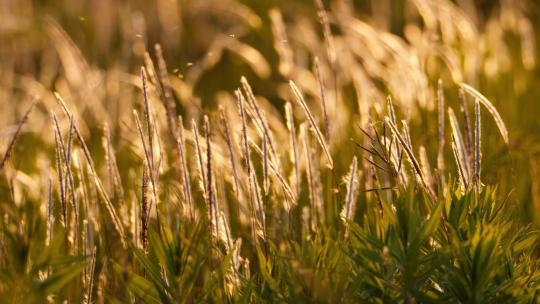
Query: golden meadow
{"type": "Point", "coordinates": [183, 151]}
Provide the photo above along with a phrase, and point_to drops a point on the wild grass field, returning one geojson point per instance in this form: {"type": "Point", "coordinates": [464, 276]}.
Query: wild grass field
{"type": "Point", "coordinates": [261, 151]}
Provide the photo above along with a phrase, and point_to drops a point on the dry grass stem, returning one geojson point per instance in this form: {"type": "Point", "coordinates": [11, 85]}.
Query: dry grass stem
{"type": "Point", "coordinates": [313, 123]}
{"type": "Point", "coordinates": [491, 109]}
{"type": "Point", "coordinates": [17, 134]}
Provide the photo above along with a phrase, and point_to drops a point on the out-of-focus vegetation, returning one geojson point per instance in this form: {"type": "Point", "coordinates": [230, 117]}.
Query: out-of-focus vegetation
{"type": "Point", "coordinates": [269, 151]}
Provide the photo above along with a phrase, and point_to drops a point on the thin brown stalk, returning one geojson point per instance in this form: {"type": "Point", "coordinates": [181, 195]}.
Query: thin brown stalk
{"type": "Point", "coordinates": [50, 223]}
{"type": "Point", "coordinates": [146, 154]}
{"type": "Point", "coordinates": [327, 33]}
{"type": "Point", "coordinates": [286, 60]}
{"type": "Point", "coordinates": [407, 137]}
{"type": "Point", "coordinates": [424, 162]}
{"type": "Point", "coordinates": [294, 150]}
{"type": "Point", "coordinates": [110, 208]}
{"type": "Point", "coordinates": [416, 165]}
{"type": "Point", "coordinates": [202, 174]}
{"type": "Point", "coordinates": [461, 152]}
{"type": "Point", "coordinates": [252, 101]}
{"type": "Point", "coordinates": [145, 211]}
{"type": "Point", "coordinates": [91, 279]}
{"type": "Point", "coordinates": [147, 116]}
{"type": "Point", "coordinates": [392, 115]}
{"type": "Point", "coordinates": [313, 123]}
{"type": "Point", "coordinates": [170, 105]}
{"type": "Point", "coordinates": [226, 128]}
{"type": "Point", "coordinates": [440, 155]}
{"type": "Point", "coordinates": [108, 161]}
{"type": "Point", "coordinates": [391, 112]}
{"type": "Point", "coordinates": [112, 166]}
{"type": "Point", "coordinates": [377, 186]}
{"type": "Point", "coordinates": [273, 167]}
{"type": "Point", "coordinates": [463, 181]}
{"type": "Point", "coordinates": [70, 182]}
{"type": "Point", "coordinates": [491, 109]}
{"type": "Point", "coordinates": [467, 125]}
{"type": "Point", "coordinates": [240, 99]}
{"type": "Point", "coordinates": [347, 214]}
{"type": "Point", "coordinates": [152, 74]}
{"type": "Point", "coordinates": [258, 205]}
{"type": "Point", "coordinates": [266, 184]}
{"type": "Point", "coordinates": [323, 98]}
{"type": "Point", "coordinates": [17, 134]}
{"type": "Point", "coordinates": [59, 152]}
{"type": "Point", "coordinates": [309, 174]}
{"type": "Point", "coordinates": [212, 205]}
{"type": "Point", "coordinates": [477, 143]}
{"type": "Point", "coordinates": [65, 153]}
{"type": "Point", "coordinates": [166, 96]}
{"type": "Point", "coordinates": [186, 179]}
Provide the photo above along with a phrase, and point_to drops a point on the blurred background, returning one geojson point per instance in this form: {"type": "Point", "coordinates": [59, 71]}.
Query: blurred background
{"type": "Point", "coordinates": [91, 52]}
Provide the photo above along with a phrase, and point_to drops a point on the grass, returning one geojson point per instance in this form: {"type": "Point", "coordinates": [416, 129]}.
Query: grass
{"type": "Point", "coordinates": [287, 161]}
